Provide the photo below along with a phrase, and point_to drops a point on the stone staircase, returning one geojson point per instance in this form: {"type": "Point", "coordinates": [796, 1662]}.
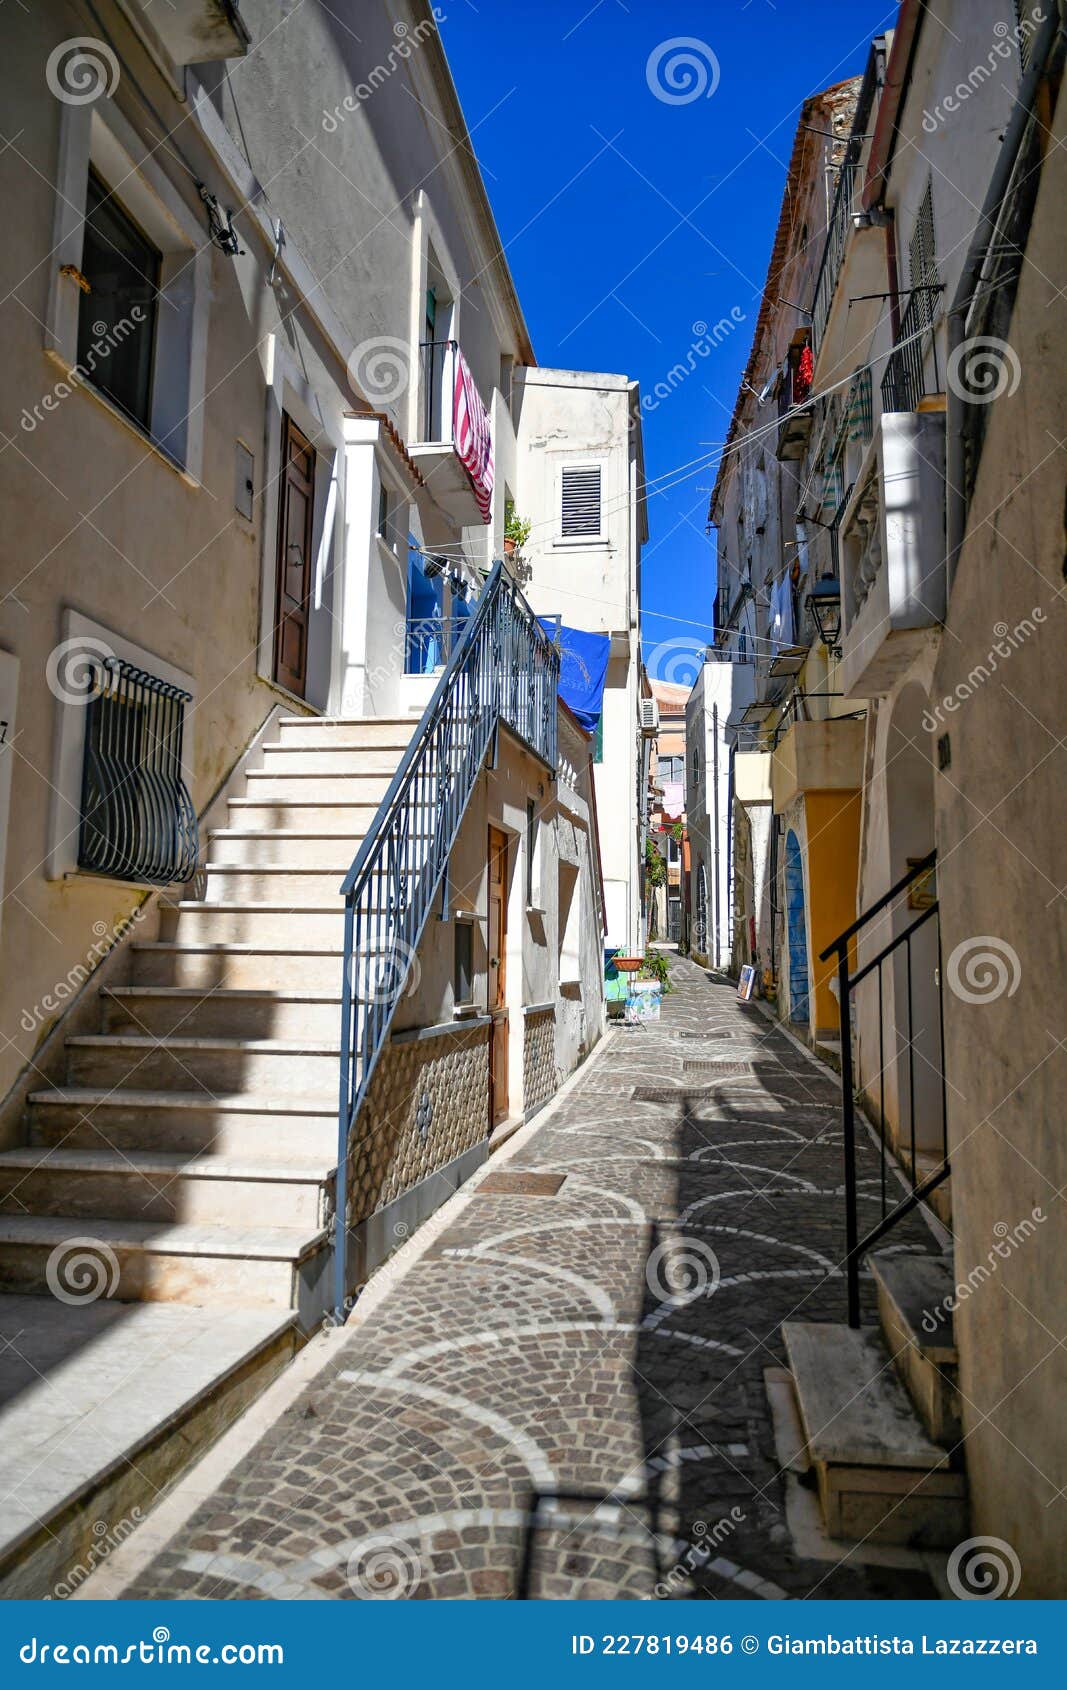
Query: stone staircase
{"type": "Point", "coordinates": [187, 1158]}
{"type": "Point", "coordinates": [879, 1412]}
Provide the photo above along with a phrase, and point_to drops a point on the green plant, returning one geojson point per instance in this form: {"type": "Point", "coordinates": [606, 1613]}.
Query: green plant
{"type": "Point", "coordinates": [655, 967]}
{"type": "Point", "coordinates": [655, 863]}
{"type": "Point", "coordinates": [515, 527]}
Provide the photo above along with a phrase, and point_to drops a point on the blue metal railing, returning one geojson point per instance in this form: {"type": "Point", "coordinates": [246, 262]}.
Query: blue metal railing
{"type": "Point", "coordinates": [503, 670]}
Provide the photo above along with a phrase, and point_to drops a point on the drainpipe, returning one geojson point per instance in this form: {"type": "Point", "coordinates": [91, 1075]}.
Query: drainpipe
{"type": "Point", "coordinates": [955, 451]}
{"type": "Point", "coordinates": [892, 270]}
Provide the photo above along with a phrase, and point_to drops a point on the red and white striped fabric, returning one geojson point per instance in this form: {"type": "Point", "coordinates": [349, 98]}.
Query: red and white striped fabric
{"type": "Point", "coordinates": [472, 435]}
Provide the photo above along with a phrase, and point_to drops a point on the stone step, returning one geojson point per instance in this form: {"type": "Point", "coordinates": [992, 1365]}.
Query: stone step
{"type": "Point", "coordinates": [281, 847]}
{"type": "Point", "coordinates": [881, 1477]}
{"type": "Point", "coordinates": [319, 927]}
{"type": "Point", "coordinates": [394, 731]}
{"type": "Point", "coordinates": [244, 1013]}
{"type": "Point", "coordinates": [336, 760]}
{"type": "Point", "coordinates": [275, 886]}
{"type": "Point", "coordinates": [148, 1261]}
{"type": "Point", "coordinates": [302, 815]}
{"type": "Point", "coordinates": [145, 1185]}
{"type": "Point", "coordinates": [183, 1121]}
{"type": "Point", "coordinates": [238, 967]}
{"type": "Point", "coordinates": [290, 1067]}
{"type": "Point", "coordinates": [918, 1331]}
{"type": "Point", "coordinates": [102, 1406]}
{"type": "Point", "coordinates": [270, 787]}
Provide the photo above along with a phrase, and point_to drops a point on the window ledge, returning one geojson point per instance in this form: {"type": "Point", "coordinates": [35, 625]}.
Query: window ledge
{"type": "Point", "coordinates": [582, 542]}
{"type": "Point", "coordinates": [538, 1008]}
{"type": "Point", "coordinates": [140, 433]}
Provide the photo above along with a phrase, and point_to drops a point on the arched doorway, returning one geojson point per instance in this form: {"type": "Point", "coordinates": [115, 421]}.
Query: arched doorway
{"type": "Point", "coordinates": [796, 929]}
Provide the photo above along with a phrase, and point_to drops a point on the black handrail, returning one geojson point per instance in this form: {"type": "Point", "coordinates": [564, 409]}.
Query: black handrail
{"type": "Point", "coordinates": [848, 979]}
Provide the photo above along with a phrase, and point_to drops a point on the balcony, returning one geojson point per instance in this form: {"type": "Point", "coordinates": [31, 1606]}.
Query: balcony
{"type": "Point", "coordinates": [453, 454]}
{"type": "Point", "coordinates": [196, 31]}
{"type": "Point", "coordinates": [752, 778]}
{"type": "Point", "coordinates": [852, 273]}
{"type": "Point", "coordinates": [794, 389]}
{"type": "Point", "coordinates": [824, 756]}
{"type": "Point", "coordinates": [911, 371]}
{"type": "Point", "coordinates": [893, 552]}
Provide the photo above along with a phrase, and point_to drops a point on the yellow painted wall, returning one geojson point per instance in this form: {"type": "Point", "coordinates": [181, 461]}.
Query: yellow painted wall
{"type": "Point", "coordinates": [833, 841]}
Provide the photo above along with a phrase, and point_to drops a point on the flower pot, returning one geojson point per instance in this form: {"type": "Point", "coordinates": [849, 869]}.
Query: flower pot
{"type": "Point", "coordinates": [509, 547]}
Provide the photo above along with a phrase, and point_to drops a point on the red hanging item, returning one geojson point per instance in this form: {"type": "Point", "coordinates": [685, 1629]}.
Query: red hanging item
{"type": "Point", "coordinates": [802, 376]}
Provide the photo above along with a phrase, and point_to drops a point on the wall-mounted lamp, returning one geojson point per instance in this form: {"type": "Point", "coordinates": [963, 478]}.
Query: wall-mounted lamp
{"type": "Point", "coordinates": [824, 608]}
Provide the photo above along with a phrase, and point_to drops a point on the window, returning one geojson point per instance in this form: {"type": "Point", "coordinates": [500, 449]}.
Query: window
{"type": "Point", "coordinates": [742, 646]}
{"type": "Point", "coordinates": [922, 261]}
{"type": "Point", "coordinates": [137, 819]}
{"type": "Point", "coordinates": [533, 858]}
{"type": "Point", "coordinates": [598, 740]}
{"type": "Point", "coordinates": [117, 317]}
{"type": "Point", "coordinates": [581, 504]}
{"type": "Point", "coordinates": [463, 963]}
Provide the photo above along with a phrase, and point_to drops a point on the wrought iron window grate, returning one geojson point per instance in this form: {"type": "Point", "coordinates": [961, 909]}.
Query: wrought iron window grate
{"type": "Point", "coordinates": [137, 818]}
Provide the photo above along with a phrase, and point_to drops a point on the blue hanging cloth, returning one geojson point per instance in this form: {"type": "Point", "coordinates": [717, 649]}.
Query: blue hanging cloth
{"type": "Point", "coordinates": [583, 669]}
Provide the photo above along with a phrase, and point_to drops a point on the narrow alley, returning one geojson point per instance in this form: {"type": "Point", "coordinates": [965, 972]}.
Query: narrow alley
{"type": "Point", "coordinates": [565, 1395]}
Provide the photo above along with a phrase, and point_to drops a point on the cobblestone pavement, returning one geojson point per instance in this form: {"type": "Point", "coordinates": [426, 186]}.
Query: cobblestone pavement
{"type": "Point", "coordinates": [564, 1397]}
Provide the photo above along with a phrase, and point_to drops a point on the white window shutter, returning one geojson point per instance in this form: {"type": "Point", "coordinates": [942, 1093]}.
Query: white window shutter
{"type": "Point", "coordinates": [581, 499]}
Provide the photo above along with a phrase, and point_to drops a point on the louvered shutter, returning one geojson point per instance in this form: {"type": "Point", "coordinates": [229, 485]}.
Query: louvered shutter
{"type": "Point", "coordinates": [581, 500]}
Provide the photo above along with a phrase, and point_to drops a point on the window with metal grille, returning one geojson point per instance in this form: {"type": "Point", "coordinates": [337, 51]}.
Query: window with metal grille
{"type": "Point", "coordinates": [922, 262]}
{"type": "Point", "coordinates": [137, 818]}
{"type": "Point", "coordinates": [581, 513]}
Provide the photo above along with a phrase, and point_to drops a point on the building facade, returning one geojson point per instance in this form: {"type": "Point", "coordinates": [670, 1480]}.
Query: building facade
{"type": "Point", "coordinates": [289, 806]}
{"type": "Point", "coordinates": [898, 759]}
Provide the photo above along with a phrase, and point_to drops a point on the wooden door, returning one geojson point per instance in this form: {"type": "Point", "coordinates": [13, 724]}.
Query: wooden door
{"type": "Point", "coordinates": [497, 938]}
{"type": "Point", "coordinates": [295, 514]}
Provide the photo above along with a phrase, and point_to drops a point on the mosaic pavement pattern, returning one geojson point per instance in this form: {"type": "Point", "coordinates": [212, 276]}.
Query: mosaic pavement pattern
{"type": "Point", "coordinates": [564, 1398]}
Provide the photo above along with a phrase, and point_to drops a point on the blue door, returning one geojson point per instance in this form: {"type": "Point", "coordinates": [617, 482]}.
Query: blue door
{"type": "Point", "coordinates": [796, 931]}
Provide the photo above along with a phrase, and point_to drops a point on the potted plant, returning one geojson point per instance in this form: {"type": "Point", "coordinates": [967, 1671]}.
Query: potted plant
{"type": "Point", "coordinates": [516, 530]}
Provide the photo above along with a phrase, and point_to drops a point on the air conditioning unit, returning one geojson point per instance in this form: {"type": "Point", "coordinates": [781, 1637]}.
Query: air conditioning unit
{"type": "Point", "coordinates": [649, 716]}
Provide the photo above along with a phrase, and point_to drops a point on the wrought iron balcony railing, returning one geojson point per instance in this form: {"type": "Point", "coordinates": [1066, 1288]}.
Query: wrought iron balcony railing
{"type": "Point", "coordinates": [837, 234]}
{"type": "Point", "coordinates": [504, 670]}
{"type": "Point", "coordinates": [905, 379]}
{"type": "Point", "coordinates": [137, 818]}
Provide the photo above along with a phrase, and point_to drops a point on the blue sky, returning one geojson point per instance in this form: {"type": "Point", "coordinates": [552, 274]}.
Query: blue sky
{"type": "Point", "coordinates": [628, 219]}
